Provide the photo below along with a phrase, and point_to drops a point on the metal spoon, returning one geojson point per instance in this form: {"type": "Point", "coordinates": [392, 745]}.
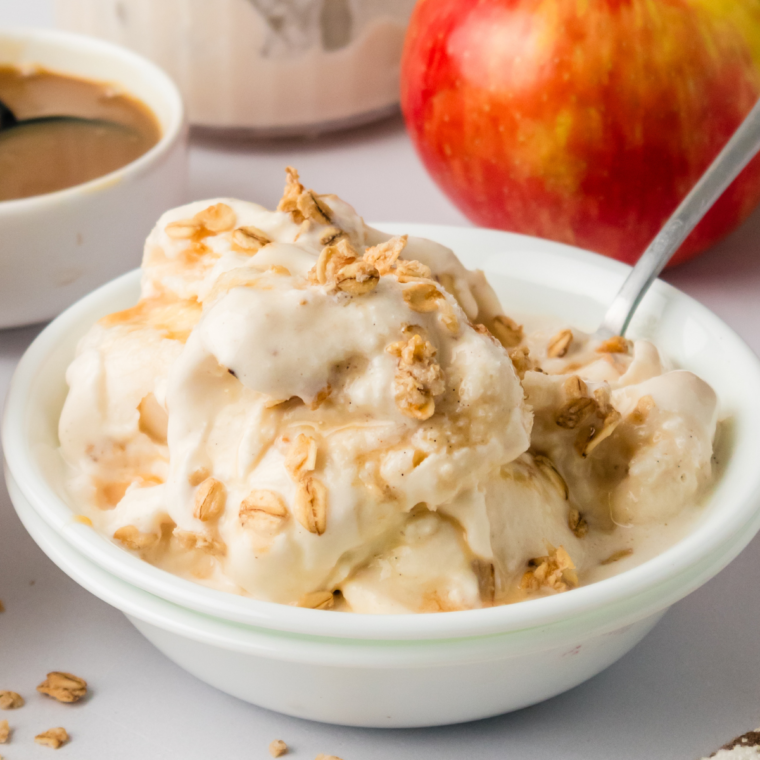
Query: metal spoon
{"type": "Point", "coordinates": [8, 120]}
{"type": "Point", "coordinates": [736, 154]}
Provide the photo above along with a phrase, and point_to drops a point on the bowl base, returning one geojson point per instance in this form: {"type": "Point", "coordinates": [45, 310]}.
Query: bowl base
{"type": "Point", "coordinates": [401, 697]}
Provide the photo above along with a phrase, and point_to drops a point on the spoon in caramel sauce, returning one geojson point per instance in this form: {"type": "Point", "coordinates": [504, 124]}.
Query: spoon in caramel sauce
{"type": "Point", "coordinates": [8, 120]}
{"type": "Point", "coordinates": [59, 131]}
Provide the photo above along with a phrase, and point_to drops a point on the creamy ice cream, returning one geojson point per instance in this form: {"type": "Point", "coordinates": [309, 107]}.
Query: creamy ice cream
{"type": "Point", "coordinates": [308, 411]}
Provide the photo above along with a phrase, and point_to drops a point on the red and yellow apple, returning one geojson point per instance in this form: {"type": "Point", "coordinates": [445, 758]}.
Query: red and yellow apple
{"type": "Point", "coordinates": [583, 121]}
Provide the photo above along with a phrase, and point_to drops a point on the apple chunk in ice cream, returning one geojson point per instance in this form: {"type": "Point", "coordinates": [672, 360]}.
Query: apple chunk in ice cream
{"type": "Point", "coordinates": [305, 410]}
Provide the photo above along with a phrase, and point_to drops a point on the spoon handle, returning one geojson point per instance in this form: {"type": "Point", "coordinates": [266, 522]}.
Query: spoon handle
{"type": "Point", "coordinates": [736, 154]}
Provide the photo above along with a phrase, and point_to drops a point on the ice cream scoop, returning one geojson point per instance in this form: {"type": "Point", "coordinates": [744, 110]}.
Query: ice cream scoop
{"type": "Point", "coordinates": [308, 411]}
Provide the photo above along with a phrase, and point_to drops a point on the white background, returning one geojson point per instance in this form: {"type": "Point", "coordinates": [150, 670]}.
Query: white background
{"type": "Point", "coordinates": [693, 684]}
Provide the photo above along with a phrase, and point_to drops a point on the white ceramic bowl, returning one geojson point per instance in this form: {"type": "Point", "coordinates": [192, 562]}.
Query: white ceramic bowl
{"type": "Point", "coordinates": [54, 248]}
{"type": "Point", "coordinates": [406, 670]}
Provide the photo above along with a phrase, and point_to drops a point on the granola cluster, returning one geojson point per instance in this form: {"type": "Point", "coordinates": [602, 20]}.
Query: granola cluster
{"type": "Point", "coordinates": [311, 493]}
{"type": "Point", "coordinates": [554, 571]}
{"type": "Point", "coordinates": [419, 378]}
{"type": "Point", "coordinates": [340, 267]}
{"type": "Point", "coordinates": [591, 414]}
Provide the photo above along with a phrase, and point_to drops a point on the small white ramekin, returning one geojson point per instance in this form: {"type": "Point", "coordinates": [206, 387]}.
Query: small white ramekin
{"type": "Point", "coordinates": [406, 670]}
{"type": "Point", "coordinates": [54, 248]}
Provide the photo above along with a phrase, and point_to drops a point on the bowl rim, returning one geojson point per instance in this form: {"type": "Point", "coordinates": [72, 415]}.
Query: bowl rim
{"type": "Point", "coordinates": [711, 538]}
{"type": "Point", "coordinates": [176, 127]}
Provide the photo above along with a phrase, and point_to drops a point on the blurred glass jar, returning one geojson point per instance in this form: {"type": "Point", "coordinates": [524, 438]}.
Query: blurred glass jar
{"type": "Point", "coordinates": [266, 67]}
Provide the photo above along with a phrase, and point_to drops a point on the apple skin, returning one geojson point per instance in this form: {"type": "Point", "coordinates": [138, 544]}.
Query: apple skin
{"type": "Point", "coordinates": [583, 121]}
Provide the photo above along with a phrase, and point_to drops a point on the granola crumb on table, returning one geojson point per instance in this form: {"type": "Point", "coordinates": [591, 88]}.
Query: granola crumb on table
{"type": "Point", "coordinates": [10, 700]}
{"type": "Point", "coordinates": [64, 687]}
{"type": "Point", "coordinates": [278, 748]}
{"type": "Point", "coordinates": [53, 737]}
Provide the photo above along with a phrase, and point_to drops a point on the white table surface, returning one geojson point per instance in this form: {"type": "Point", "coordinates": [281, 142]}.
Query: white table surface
{"type": "Point", "coordinates": [693, 684]}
